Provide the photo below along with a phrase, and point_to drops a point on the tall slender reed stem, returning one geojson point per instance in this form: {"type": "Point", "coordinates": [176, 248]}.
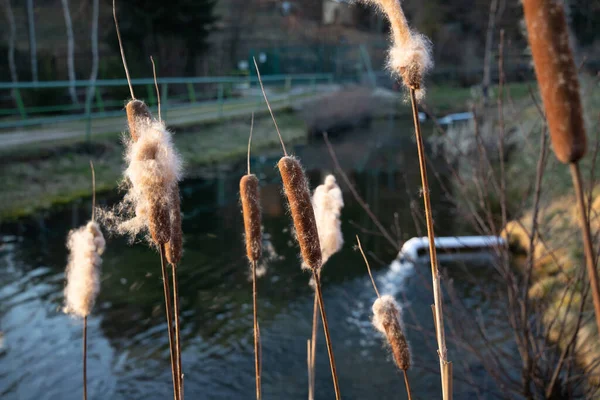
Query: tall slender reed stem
{"type": "Point", "coordinates": [177, 331]}
{"type": "Point", "coordinates": [313, 343]}
{"type": "Point", "coordinates": [319, 292]}
{"type": "Point", "coordinates": [168, 307]}
{"type": "Point", "coordinates": [85, 358]}
{"type": "Point", "coordinates": [256, 335]}
{"type": "Point", "coordinates": [590, 260]}
{"type": "Point", "coordinates": [407, 384]}
{"type": "Point", "coordinates": [437, 290]}
{"type": "Point", "coordinates": [309, 369]}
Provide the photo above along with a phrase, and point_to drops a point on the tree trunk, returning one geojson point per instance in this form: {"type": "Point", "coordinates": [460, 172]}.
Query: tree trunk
{"type": "Point", "coordinates": [489, 43]}
{"type": "Point", "coordinates": [70, 52]}
{"type": "Point", "coordinates": [32, 41]}
{"type": "Point", "coordinates": [95, 56]}
{"type": "Point", "coordinates": [11, 41]}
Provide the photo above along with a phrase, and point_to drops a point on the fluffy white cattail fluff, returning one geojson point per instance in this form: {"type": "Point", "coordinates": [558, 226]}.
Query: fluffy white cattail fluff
{"type": "Point", "coordinates": [327, 202]}
{"type": "Point", "coordinates": [410, 54]}
{"type": "Point", "coordinates": [387, 320]}
{"type": "Point", "coordinates": [86, 245]}
{"type": "Point", "coordinates": [153, 169]}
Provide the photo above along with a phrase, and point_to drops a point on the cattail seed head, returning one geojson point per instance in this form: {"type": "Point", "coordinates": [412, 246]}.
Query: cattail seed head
{"type": "Point", "coordinates": [137, 113]}
{"type": "Point", "coordinates": [296, 190]}
{"type": "Point", "coordinates": [85, 245]}
{"type": "Point", "coordinates": [410, 54]}
{"type": "Point", "coordinates": [556, 73]}
{"type": "Point", "coordinates": [327, 203]}
{"type": "Point", "coordinates": [249, 193]}
{"type": "Point", "coordinates": [154, 168]}
{"type": "Point", "coordinates": [174, 247]}
{"type": "Point", "coordinates": [386, 319]}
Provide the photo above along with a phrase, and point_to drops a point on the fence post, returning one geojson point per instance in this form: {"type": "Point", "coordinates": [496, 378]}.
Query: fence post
{"type": "Point", "coordinates": [288, 89]}
{"type": "Point", "coordinates": [99, 102]}
{"type": "Point", "coordinates": [88, 112]}
{"type": "Point", "coordinates": [164, 100]}
{"type": "Point", "coordinates": [20, 104]}
{"type": "Point", "coordinates": [220, 100]}
{"type": "Point", "coordinates": [191, 92]}
{"type": "Point", "coordinates": [151, 97]}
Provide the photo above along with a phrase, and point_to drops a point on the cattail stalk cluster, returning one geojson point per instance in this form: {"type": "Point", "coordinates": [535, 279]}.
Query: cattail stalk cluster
{"type": "Point", "coordinates": [86, 246]}
{"type": "Point", "coordinates": [296, 189]}
{"type": "Point", "coordinates": [327, 203]}
{"type": "Point", "coordinates": [556, 74]}
{"type": "Point", "coordinates": [250, 198]}
{"type": "Point", "coordinates": [152, 202]}
{"type": "Point", "coordinates": [410, 57]}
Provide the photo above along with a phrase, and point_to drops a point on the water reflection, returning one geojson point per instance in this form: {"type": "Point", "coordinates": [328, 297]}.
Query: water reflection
{"type": "Point", "coordinates": [40, 348]}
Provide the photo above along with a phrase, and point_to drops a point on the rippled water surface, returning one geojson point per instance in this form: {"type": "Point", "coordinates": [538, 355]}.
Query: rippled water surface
{"type": "Point", "coordinates": [40, 347]}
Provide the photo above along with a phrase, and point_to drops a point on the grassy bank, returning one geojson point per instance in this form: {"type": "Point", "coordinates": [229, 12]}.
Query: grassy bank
{"type": "Point", "coordinates": [39, 178]}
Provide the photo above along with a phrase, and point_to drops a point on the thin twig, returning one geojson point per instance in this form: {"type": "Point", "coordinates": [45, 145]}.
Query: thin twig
{"type": "Point", "coordinates": [437, 290]}
{"type": "Point", "coordinates": [309, 369]}
{"type": "Point", "coordinates": [313, 349]}
{"type": "Point", "coordinates": [93, 191]}
{"type": "Point", "coordinates": [156, 85]}
{"type": "Point", "coordinates": [256, 340]}
{"type": "Point", "coordinates": [85, 358]}
{"type": "Point", "coordinates": [368, 266]}
{"type": "Point", "coordinates": [177, 330]}
{"type": "Point", "coordinates": [334, 375]}
{"type": "Point", "coordinates": [587, 240]}
{"type": "Point", "coordinates": [269, 105]}
{"type": "Point", "coordinates": [169, 314]}
{"type": "Point", "coordinates": [250, 140]}
{"type": "Point", "coordinates": [121, 49]}
{"type": "Point", "coordinates": [357, 197]}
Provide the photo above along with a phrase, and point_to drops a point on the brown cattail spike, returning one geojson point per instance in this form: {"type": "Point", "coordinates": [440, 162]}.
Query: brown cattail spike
{"type": "Point", "coordinates": [137, 111]}
{"type": "Point", "coordinates": [249, 194]}
{"type": "Point", "coordinates": [159, 223]}
{"type": "Point", "coordinates": [174, 247]}
{"type": "Point", "coordinates": [557, 77]}
{"type": "Point", "coordinates": [298, 195]}
{"type": "Point", "coordinates": [386, 318]}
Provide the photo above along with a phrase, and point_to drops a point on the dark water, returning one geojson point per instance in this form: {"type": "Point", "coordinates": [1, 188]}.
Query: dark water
{"type": "Point", "coordinates": [40, 348]}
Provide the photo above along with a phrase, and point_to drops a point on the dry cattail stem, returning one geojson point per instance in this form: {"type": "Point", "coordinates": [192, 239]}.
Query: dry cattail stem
{"type": "Point", "coordinates": [249, 193]}
{"type": "Point", "coordinates": [435, 273]}
{"type": "Point", "coordinates": [169, 312]}
{"type": "Point", "coordinates": [556, 73]}
{"type": "Point", "coordinates": [298, 195]}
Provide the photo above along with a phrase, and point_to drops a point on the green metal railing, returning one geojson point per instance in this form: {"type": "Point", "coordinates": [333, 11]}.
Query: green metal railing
{"type": "Point", "coordinates": [215, 95]}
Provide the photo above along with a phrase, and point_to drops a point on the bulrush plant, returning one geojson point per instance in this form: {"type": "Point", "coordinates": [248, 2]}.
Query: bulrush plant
{"type": "Point", "coordinates": [250, 197]}
{"type": "Point", "coordinates": [151, 204]}
{"type": "Point", "coordinates": [297, 192]}
{"type": "Point", "coordinates": [327, 204]}
{"type": "Point", "coordinates": [410, 58]}
{"type": "Point", "coordinates": [556, 74]}
{"type": "Point", "coordinates": [86, 245]}
{"type": "Point", "coordinates": [387, 320]}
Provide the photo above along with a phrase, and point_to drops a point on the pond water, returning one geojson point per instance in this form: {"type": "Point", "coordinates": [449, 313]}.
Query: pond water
{"type": "Point", "coordinates": [40, 347]}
